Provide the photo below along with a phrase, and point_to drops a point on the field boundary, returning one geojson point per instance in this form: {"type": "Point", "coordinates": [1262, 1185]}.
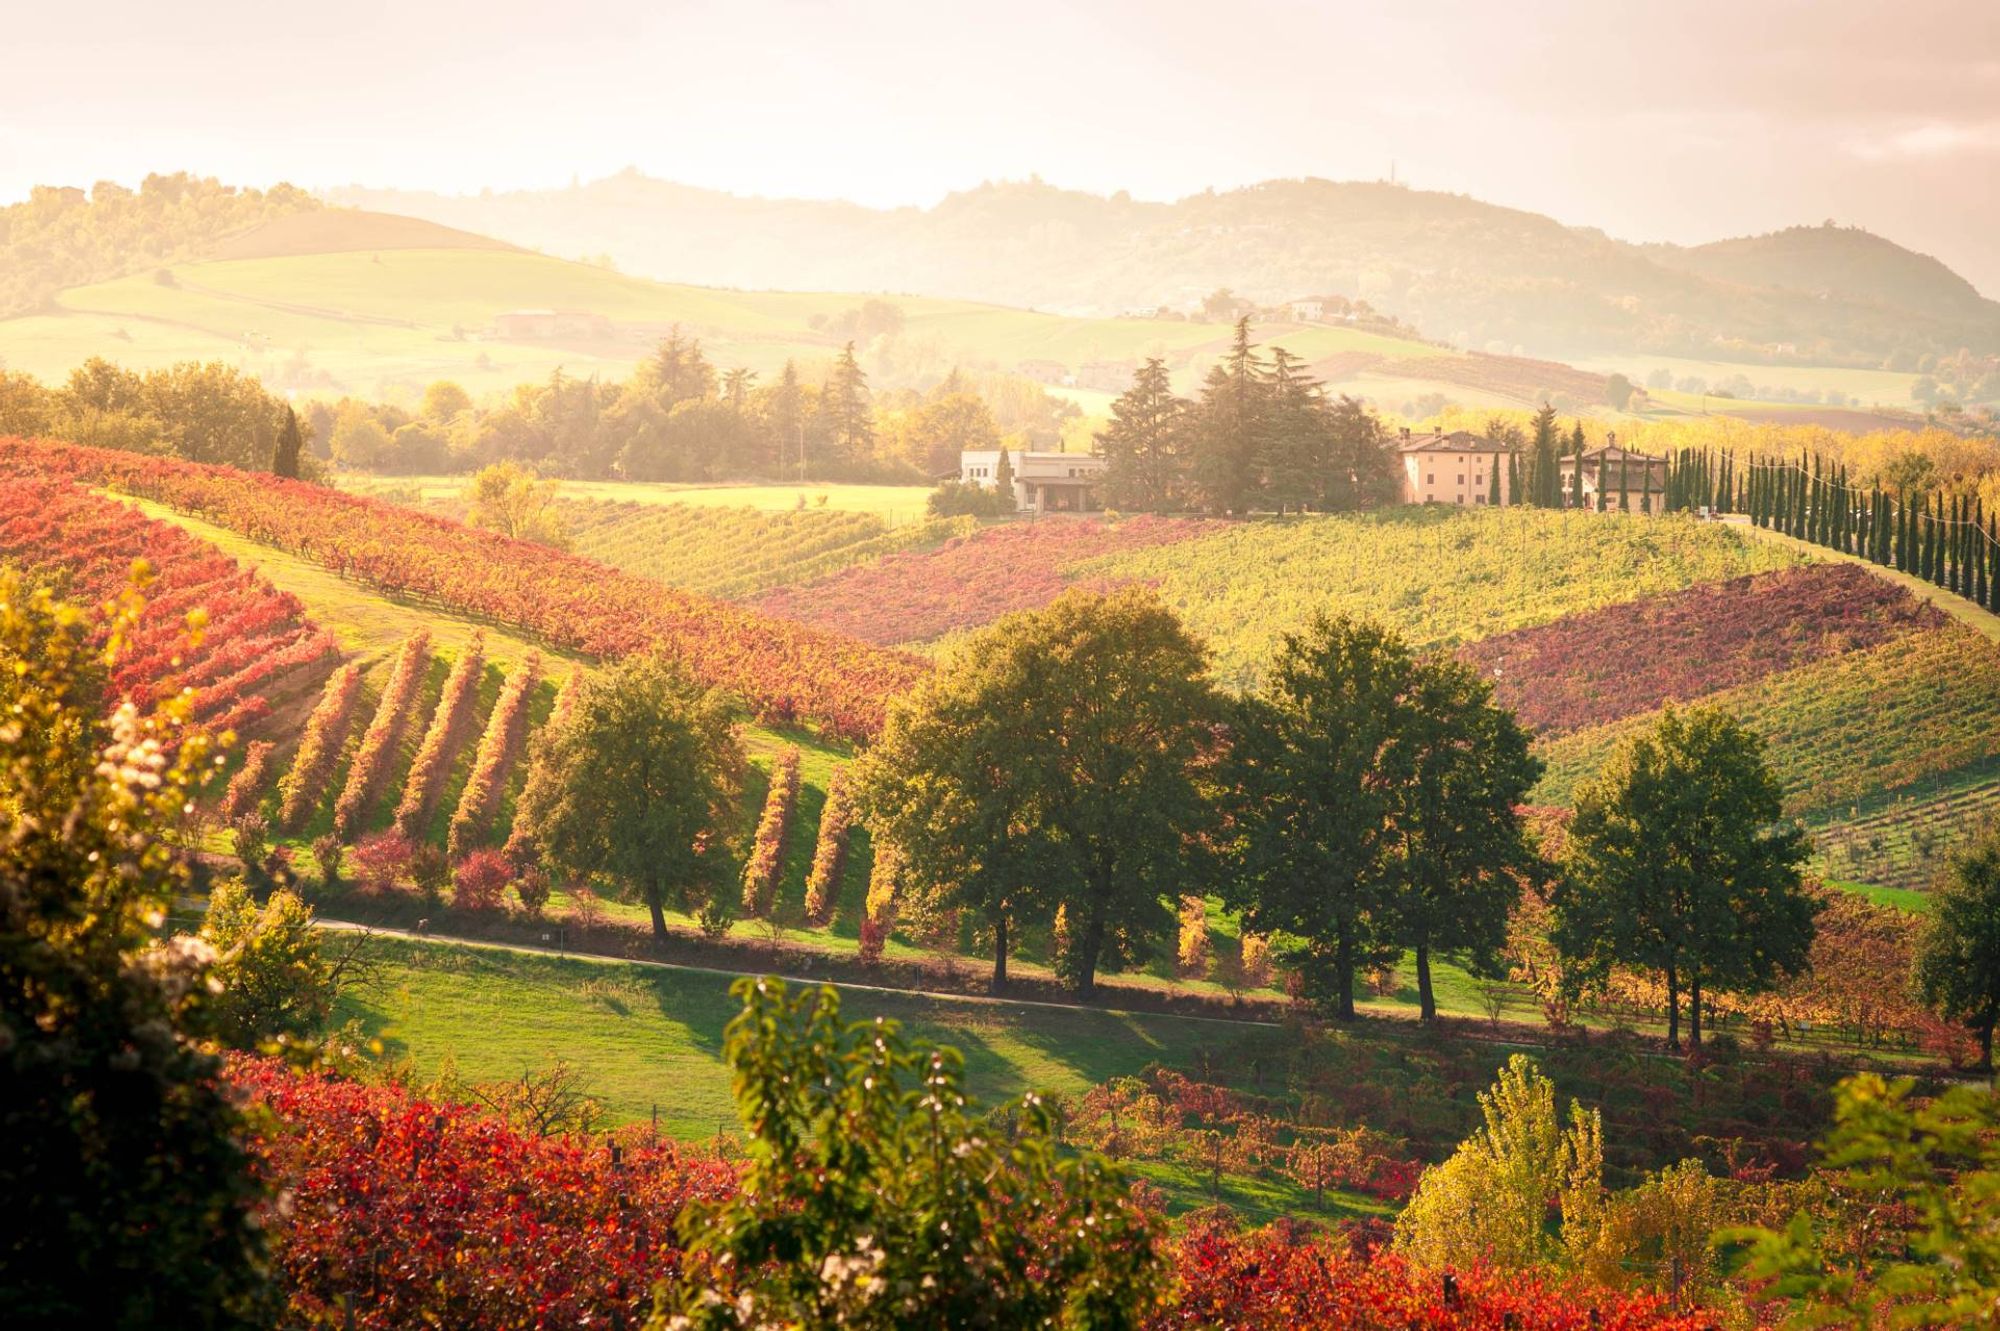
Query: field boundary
{"type": "Point", "coordinates": [1984, 621]}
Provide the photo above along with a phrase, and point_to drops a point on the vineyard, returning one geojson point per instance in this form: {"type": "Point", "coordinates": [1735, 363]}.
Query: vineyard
{"type": "Point", "coordinates": [784, 672]}
{"type": "Point", "coordinates": [1845, 728]}
{"type": "Point", "coordinates": [1589, 669]}
{"type": "Point", "coordinates": [735, 553]}
{"type": "Point", "coordinates": [255, 642]}
{"type": "Point", "coordinates": [1443, 577]}
{"type": "Point", "coordinates": [968, 581]}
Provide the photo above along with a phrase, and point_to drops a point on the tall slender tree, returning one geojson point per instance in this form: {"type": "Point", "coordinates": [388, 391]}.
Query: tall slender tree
{"type": "Point", "coordinates": [285, 457]}
{"type": "Point", "coordinates": [1143, 445]}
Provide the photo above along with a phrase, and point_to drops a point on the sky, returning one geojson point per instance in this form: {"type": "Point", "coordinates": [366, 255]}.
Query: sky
{"type": "Point", "coordinates": [1683, 120]}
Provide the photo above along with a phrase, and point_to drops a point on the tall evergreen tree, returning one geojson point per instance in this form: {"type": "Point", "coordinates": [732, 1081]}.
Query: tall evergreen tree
{"type": "Point", "coordinates": [1544, 475]}
{"type": "Point", "coordinates": [785, 422]}
{"type": "Point", "coordinates": [845, 404]}
{"type": "Point", "coordinates": [285, 457]}
{"type": "Point", "coordinates": [1576, 467]}
{"type": "Point", "coordinates": [1291, 438]}
{"type": "Point", "coordinates": [1145, 464]}
{"type": "Point", "coordinates": [1229, 428]}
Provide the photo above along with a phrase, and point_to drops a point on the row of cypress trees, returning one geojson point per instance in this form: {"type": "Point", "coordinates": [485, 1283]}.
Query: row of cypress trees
{"type": "Point", "coordinates": [1949, 541]}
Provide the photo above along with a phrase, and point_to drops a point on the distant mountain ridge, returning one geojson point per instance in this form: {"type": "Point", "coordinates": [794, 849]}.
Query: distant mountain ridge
{"type": "Point", "coordinates": [1473, 273]}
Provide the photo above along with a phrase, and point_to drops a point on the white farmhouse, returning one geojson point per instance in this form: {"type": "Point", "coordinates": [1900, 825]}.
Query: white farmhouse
{"type": "Point", "coordinates": [1043, 482]}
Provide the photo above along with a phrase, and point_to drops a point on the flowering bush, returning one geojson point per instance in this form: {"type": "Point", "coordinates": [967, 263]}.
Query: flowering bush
{"type": "Point", "coordinates": [836, 816]}
{"type": "Point", "coordinates": [442, 740]}
{"type": "Point", "coordinates": [493, 762]}
{"type": "Point", "coordinates": [300, 789]}
{"type": "Point", "coordinates": [767, 851]}
{"type": "Point", "coordinates": [378, 743]}
{"type": "Point", "coordinates": [479, 883]}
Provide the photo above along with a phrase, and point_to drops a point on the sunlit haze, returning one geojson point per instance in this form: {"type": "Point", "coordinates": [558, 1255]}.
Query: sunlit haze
{"type": "Point", "coordinates": [1680, 122]}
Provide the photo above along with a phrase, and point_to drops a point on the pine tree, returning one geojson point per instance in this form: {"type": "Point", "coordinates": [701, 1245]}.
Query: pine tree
{"type": "Point", "coordinates": [285, 457]}
{"type": "Point", "coordinates": [850, 419]}
{"type": "Point", "coordinates": [1230, 428]}
{"type": "Point", "coordinates": [1292, 434]}
{"type": "Point", "coordinates": [1145, 463]}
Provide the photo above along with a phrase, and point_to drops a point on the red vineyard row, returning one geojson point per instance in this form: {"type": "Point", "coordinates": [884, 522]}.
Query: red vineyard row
{"type": "Point", "coordinates": [254, 638]}
{"type": "Point", "coordinates": [783, 671]}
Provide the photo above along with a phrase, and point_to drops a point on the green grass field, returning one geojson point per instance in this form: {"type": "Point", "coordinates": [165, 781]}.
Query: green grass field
{"type": "Point", "coordinates": [895, 505]}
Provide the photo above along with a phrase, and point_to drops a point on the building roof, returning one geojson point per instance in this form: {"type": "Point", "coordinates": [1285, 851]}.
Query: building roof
{"type": "Point", "coordinates": [1457, 441]}
{"type": "Point", "coordinates": [1616, 453]}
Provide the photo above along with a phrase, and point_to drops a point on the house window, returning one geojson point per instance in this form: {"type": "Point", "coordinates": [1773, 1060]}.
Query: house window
{"type": "Point", "coordinates": [1461, 499]}
{"type": "Point", "coordinates": [1480, 479]}
{"type": "Point", "coordinates": [1430, 478]}
{"type": "Point", "coordinates": [1479, 499]}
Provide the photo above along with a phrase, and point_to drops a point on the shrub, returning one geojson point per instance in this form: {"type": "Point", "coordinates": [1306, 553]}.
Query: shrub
{"type": "Point", "coordinates": [251, 837]}
{"type": "Point", "coordinates": [431, 872]}
{"type": "Point", "coordinates": [586, 910]}
{"type": "Point", "coordinates": [479, 883]}
{"type": "Point", "coordinates": [531, 887]}
{"type": "Point", "coordinates": [382, 860]}
{"type": "Point", "coordinates": [275, 981]}
{"type": "Point", "coordinates": [327, 853]}
{"type": "Point", "coordinates": [767, 852]}
{"type": "Point", "coordinates": [442, 739]}
{"type": "Point", "coordinates": [1192, 953]}
{"type": "Point", "coordinates": [830, 850]}
{"type": "Point", "coordinates": [301, 788]}
{"type": "Point", "coordinates": [1256, 960]}
{"type": "Point", "coordinates": [953, 499]}
{"type": "Point", "coordinates": [378, 743]}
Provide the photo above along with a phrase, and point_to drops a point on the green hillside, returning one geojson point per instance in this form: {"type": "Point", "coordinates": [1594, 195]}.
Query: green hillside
{"type": "Point", "coordinates": [385, 321]}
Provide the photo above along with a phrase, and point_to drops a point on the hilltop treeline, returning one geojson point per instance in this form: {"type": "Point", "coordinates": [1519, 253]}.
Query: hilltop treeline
{"type": "Point", "coordinates": [200, 412]}
{"type": "Point", "coordinates": [63, 238]}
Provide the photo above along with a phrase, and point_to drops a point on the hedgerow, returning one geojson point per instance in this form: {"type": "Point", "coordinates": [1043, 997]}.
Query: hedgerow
{"type": "Point", "coordinates": [443, 739]}
{"type": "Point", "coordinates": [493, 762]}
{"type": "Point", "coordinates": [378, 743]}
{"type": "Point", "coordinates": [767, 850]}
{"type": "Point", "coordinates": [303, 785]}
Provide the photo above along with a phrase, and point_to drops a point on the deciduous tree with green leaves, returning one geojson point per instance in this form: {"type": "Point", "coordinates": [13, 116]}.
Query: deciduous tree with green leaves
{"type": "Point", "coordinates": [1057, 758]}
{"type": "Point", "coordinates": [879, 1196]}
{"type": "Point", "coordinates": [1956, 970]}
{"type": "Point", "coordinates": [639, 781]}
{"type": "Point", "coordinates": [1680, 863]}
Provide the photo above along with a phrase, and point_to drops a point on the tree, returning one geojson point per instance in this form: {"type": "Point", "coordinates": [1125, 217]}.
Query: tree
{"type": "Point", "coordinates": [1956, 970]}
{"type": "Point", "coordinates": [129, 1193]}
{"type": "Point", "coordinates": [1929, 1172]}
{"type": "Point", "coordinates": [844, 403]}
{"type": "Point", "coordinates": [512, 500]}
{"type": "Point", "coordinates": [1576, 442]}
{"type": "Point", "coordinates": [638, 781]}
{"type": "Point", "coordinates": [1291, 448]}
{"type": "Point", "coordinates": [276, 981]}
{"type": "Point", "coordinates": [879, 1196]}
{"type": "Point", "coordinates": [1544, 475]}
{"type": "Point", "coordinates": [1228, 428]}
{"type": "Point", "coordinates": [950, 425]}
{"type": "Point", "coordinates": [1678, 863]}
{"type": "Point", "coordinates": [1055, 759]}
{"type": "Point", "coordinates": [1310, 812]}
{"type": "Point", "coordinates": [1488, 1204]}
{"type": "Point", "coordinates": [1457, 770]}
{"type": "Point", "coordinates": [1143, 444]}
{"type": "Point", "coordinates": [1003, 480]}
{"type": "Point", "coordinates": [444, 401]}
{"type": "Point", "coordinates": [285, 457]}
{"type": "Point", "coordinates": [1618, 391]}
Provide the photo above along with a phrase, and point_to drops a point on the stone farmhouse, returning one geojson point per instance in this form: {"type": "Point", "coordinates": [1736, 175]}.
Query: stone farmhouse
{"type": "Point", "coordinates": [1043, 482]}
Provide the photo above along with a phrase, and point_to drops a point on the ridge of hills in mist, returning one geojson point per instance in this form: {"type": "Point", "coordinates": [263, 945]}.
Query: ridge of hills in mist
{"type": "Point", "coordinates": [1471, 273]}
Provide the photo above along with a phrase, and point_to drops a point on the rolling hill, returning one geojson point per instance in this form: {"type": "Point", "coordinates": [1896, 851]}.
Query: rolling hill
{"type": "Point", "coordinates": [1469, 272]}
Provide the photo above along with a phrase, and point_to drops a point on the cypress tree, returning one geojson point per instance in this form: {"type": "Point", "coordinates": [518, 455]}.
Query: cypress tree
{"type": "Point", "coordinates": [1493, 484]}
{"type": "Point", "coordinates": [1992, 569]}
{"type": "Point", "coordinates": [1904, 526]}
{"type": "Point", "coordinates": [1624, 485]}
{"type": "Point", "coordinates": [1576, 472]}
{"type": "Point", "coordinates": [1514, 495]}
{"type": "Point", "coordinates": [285, 457]}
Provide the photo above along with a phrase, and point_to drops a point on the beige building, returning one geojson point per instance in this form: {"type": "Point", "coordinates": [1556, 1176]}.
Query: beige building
{"type": "Point", "coordinates": [1043, 482]}
{"type": "Point", "coordinates": [1456, 468]}
{"type": "Point", "coordinates": [1639, 480]}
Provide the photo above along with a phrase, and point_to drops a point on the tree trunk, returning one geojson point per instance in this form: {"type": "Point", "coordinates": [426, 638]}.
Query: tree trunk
{"type": "Point", "coordinates": [1986, 1041]}
{"type": "Point", "coordinates": [655, 895]}
{"type": "Point", "coordinates": [1089, 948]}
{"type": "Point", "coordinates": [1427, 1008]}
{"type": "Point", "coordinates": [1673, 1011]}
{"type": "Point", "coordinates": [1343, 976]}
{"type": "Point", "coordinates": [1694, 1013]}
{"type": "Point", "coordinates": [999, 951]}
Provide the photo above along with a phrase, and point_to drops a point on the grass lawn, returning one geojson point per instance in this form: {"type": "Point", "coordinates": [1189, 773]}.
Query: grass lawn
{"type": "Point", "coordinates": [894, 503]}
{"type": "Point", "coordinates": [651, 1038]}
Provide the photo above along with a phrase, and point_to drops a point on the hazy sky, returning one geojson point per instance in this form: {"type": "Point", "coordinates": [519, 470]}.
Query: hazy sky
{"type": "Point", "coordinates": [1680, 120]}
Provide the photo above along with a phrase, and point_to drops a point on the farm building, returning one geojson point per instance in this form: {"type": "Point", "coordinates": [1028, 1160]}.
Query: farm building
{"type": "Point", "coordinates": [1453, 468]}
{"type": "Point", "coordinates": [1612, 471]}
{"type": "Point", "coordinates": [1043, 482]}
{"type": "Point", "coordinates": [532, 325]}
